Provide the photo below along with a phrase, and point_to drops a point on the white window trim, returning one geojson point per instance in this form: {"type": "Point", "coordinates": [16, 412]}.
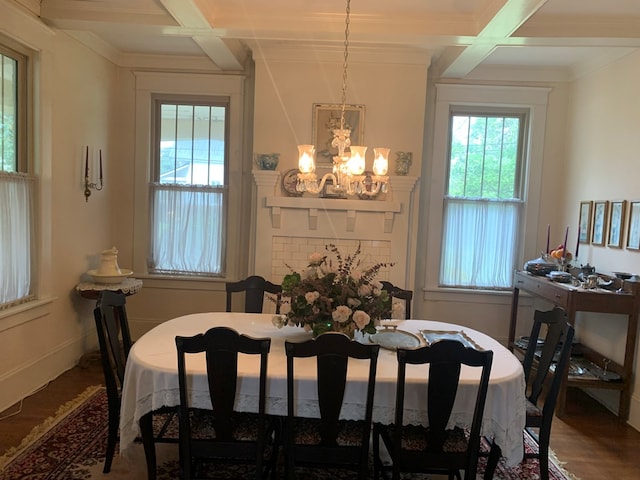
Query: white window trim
{"type": "Point", "coordinates": [148, 84]}
{"type": "Point", "coordinates": [534, 99]}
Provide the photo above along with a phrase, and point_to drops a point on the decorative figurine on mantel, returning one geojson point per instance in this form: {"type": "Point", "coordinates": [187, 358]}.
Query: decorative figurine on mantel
{"type": "Point", "coordinates": [403, 162]}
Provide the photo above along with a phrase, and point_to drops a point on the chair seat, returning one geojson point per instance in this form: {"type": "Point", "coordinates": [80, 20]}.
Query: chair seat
{"type": "Point", "coordinates": [534, 415]}
{"type": "Point", "coordinates": [415, 438]}
{"type": "Point", "coordinates": [306, 431]}
{"type": "Point", "coordinates": [244, 426]}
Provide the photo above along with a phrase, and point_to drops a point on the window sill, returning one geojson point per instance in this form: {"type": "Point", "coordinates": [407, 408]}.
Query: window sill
{"type": "Point", "coordinates": [178, 282]}
{"type": "Point", "coordinates": [24, 313]}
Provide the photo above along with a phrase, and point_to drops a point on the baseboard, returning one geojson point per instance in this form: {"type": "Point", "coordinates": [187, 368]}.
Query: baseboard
{"type": "Point", "coordinates": [29, 378]}
{"type": "Point", "coordinates": [634, 412]}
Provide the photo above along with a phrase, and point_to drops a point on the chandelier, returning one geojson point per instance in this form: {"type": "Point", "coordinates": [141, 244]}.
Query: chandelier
{"type": "Point", "coordinates": [348, 174]}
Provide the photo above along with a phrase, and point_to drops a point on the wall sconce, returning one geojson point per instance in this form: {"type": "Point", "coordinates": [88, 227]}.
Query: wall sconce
{"type": "Point", "coordinates": [88, 186]}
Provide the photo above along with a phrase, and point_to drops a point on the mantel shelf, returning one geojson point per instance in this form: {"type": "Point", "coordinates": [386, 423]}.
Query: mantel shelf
{"type": "Point", "coordinates": [314, 204]}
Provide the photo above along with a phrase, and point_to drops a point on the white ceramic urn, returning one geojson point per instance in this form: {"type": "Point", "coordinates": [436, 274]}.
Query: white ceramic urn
{"type": "Point", "coordinates": [109, 263]}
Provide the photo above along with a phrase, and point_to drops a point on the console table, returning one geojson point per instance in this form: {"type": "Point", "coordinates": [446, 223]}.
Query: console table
{"type": "Point", "coordinates": [622, 298]}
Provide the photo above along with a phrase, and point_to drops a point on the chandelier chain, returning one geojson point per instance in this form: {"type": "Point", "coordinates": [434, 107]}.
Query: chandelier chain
{"type": "Point", "coordinates": [346, 63]}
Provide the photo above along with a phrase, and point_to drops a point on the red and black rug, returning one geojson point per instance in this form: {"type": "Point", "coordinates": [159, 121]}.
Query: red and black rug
{"type": "Point", "coordinates": [71, 446]}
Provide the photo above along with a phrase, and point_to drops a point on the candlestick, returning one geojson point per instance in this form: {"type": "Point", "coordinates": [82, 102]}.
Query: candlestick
{"type": "Point", "coordinates": [564, 245]}
{"type": "Point", "coordinates": [88, 185]}
{"type": "Point", "coordinates": [578, 242]}
{"type": "Point", "coordinates": [548, 233]}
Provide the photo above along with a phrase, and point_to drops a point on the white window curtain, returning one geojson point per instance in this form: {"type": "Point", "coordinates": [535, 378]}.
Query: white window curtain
{"type": "Point", "coordinates": [479, 243]}
{"type": "Point", "coordinates": [16, 232]}
{"type": "Point", "coordinates": [187, 229]}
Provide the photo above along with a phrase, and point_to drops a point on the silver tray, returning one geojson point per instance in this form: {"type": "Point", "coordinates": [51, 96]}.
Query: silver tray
{"type": "Point", "coordinates": [392, 339]}
{"type": "Point", "coordinates": [434, 336]}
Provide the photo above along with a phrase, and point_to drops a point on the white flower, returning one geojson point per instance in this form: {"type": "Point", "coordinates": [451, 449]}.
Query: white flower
{"type": "Point", "coordinates": [364, 290]}
{"type": "Point", "coordinates": [316, 258]}
{"type": "Point", "coordinates": [376, 288]}
{"type": "Point", "coordinates": [341, 314]}
{"type": "Point", "coordinates": [309, 273]}
{"type": "Point", "coordinates": [361, 319]}
{"type": "Point", "coordinates": [311, 297]}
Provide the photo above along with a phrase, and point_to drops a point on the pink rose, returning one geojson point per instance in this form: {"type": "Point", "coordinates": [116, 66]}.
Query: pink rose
{"type": "Point", "coordinates": [361, 319]}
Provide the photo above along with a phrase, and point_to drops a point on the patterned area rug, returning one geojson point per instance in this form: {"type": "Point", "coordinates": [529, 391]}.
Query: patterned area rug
{"type": "Point", "coordinates": [71, 446]}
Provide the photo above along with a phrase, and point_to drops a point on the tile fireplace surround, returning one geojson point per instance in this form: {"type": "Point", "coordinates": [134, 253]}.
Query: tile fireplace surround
{"type": "Point", "coordinates": [289, 229]}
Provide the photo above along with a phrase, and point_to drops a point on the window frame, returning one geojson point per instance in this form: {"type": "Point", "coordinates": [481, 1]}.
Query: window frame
{"type": "Point", "coordinates": [448, 97]}
{"type": "Point", "coordinates": [24, 58]}
{"type": "Point", "coordinates": [518, 186]}
{"type": "Point", "coordinates": [150, 85]}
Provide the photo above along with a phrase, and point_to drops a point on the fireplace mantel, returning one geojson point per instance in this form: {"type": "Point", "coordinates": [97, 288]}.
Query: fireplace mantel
{"type": "Point", "coordinates": [315, 205]}
{"type": "Point", "coordinates": [386, 223]}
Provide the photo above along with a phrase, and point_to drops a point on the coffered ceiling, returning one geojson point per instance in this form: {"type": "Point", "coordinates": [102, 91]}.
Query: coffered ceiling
{"type": "Point", "coordinates": [459, 36]}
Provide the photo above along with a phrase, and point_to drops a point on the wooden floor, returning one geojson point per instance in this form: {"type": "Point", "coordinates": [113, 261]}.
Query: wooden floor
{"type": "Point", "coordinates": [590, 441]}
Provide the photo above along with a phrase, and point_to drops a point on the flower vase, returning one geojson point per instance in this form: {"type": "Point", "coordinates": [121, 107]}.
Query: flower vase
{"type": "Point", "coordinates": [329, 325]}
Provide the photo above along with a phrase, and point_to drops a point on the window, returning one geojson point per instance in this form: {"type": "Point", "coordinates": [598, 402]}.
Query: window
{"type": "Point", "coordinates": [17, 187]}
{"type": "Point", "coordinates": [484, 186]}
{"type": "Point", "coordinates": [482, 205]}
{"type": "Point", "coordinates": [189, 187]}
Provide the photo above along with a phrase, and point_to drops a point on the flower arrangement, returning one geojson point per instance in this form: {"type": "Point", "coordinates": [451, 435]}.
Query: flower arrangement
{"type": "Point", "coordinates": [340, 297]}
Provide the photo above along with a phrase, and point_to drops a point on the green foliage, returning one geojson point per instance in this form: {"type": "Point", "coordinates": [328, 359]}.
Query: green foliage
{"type": "Point", "coordinates": [484, 157]}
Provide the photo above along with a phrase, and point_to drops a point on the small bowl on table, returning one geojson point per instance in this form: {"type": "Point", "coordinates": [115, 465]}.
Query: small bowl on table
{"type": "Point", "coordinates": [623, 275]}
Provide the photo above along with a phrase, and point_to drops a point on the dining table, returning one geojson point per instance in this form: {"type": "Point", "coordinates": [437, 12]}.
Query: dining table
{"type": "Point", "coordinates": [151, 377]}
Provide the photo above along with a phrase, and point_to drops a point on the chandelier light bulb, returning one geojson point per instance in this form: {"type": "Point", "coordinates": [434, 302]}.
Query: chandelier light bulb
{"type": "Point", "coordinates": [357, 160]}
{"type": "Point", "coordinates": [306, 163]}
{"type": "Point", "coordinates": [380, 161]}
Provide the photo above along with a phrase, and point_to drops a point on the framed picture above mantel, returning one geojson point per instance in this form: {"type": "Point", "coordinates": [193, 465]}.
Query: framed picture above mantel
{"type": "Point", "coordinates": [326, 118]}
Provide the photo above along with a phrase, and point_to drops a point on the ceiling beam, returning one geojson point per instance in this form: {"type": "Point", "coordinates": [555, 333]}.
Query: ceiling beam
{"type": "Point", "coordinates": [499, 27]}
{"type": "Point", "coordinates": [188, 15]}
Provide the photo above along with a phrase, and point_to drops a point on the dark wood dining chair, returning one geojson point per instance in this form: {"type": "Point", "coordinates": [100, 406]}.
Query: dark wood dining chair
{"type": "Point", "coordinates": [401, 294]}
{"type": "Point", "coordinates": [223, 434]}
{"type": "Point", "coordinates": [328, 441]}
{"type": "Point", "coordinates": [436, 448]}
{"type": "Point", "coordinates": [543, 384]}
{"type": "Point", "coordinates": [255, 288]}
{"type": "Point", "coordinates": [114, 338]}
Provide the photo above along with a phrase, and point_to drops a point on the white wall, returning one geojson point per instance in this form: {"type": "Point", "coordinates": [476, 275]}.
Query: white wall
{"type": "Point", "coordinates": [601, 163]}
{"type": "Point", "coordinates": [74, 89]}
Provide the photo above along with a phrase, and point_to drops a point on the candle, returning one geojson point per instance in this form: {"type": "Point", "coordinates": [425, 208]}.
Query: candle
{"type": "Point", "coordinates": [564, 245]}
{"type": "Point", "coordinates": [548, 233]}
{"type": "Point", "coordinates": [86, 163]}
{"type": "Point", "coordinates": [578, 242]}
{"type": "Point", "coordinates": [100, 165]}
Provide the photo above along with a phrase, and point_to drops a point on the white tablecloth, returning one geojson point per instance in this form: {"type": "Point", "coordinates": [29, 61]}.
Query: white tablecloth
{"type": "Point", "coordinates": [151, 379]}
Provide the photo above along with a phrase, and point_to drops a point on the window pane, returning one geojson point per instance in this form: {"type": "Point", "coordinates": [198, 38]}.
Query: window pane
{"type": "Point", "coordinates": [484, 156]}
{"type": "Point", "coordinates": [192, 144]}
{"type": "Point", "coordinates": [8, 113]}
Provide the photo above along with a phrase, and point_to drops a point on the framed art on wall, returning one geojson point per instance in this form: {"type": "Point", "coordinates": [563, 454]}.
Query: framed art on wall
{"type": "Point", "coordinates": [616, 222]}
{"type": "Point", "coordinates": [633, 230]}
{"type": "Point", "coordinates": [326, 118]}
{"type": "Point", "coordinates": [584, 221]}
{"type": "Point", "coordinates": [600, 209]}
